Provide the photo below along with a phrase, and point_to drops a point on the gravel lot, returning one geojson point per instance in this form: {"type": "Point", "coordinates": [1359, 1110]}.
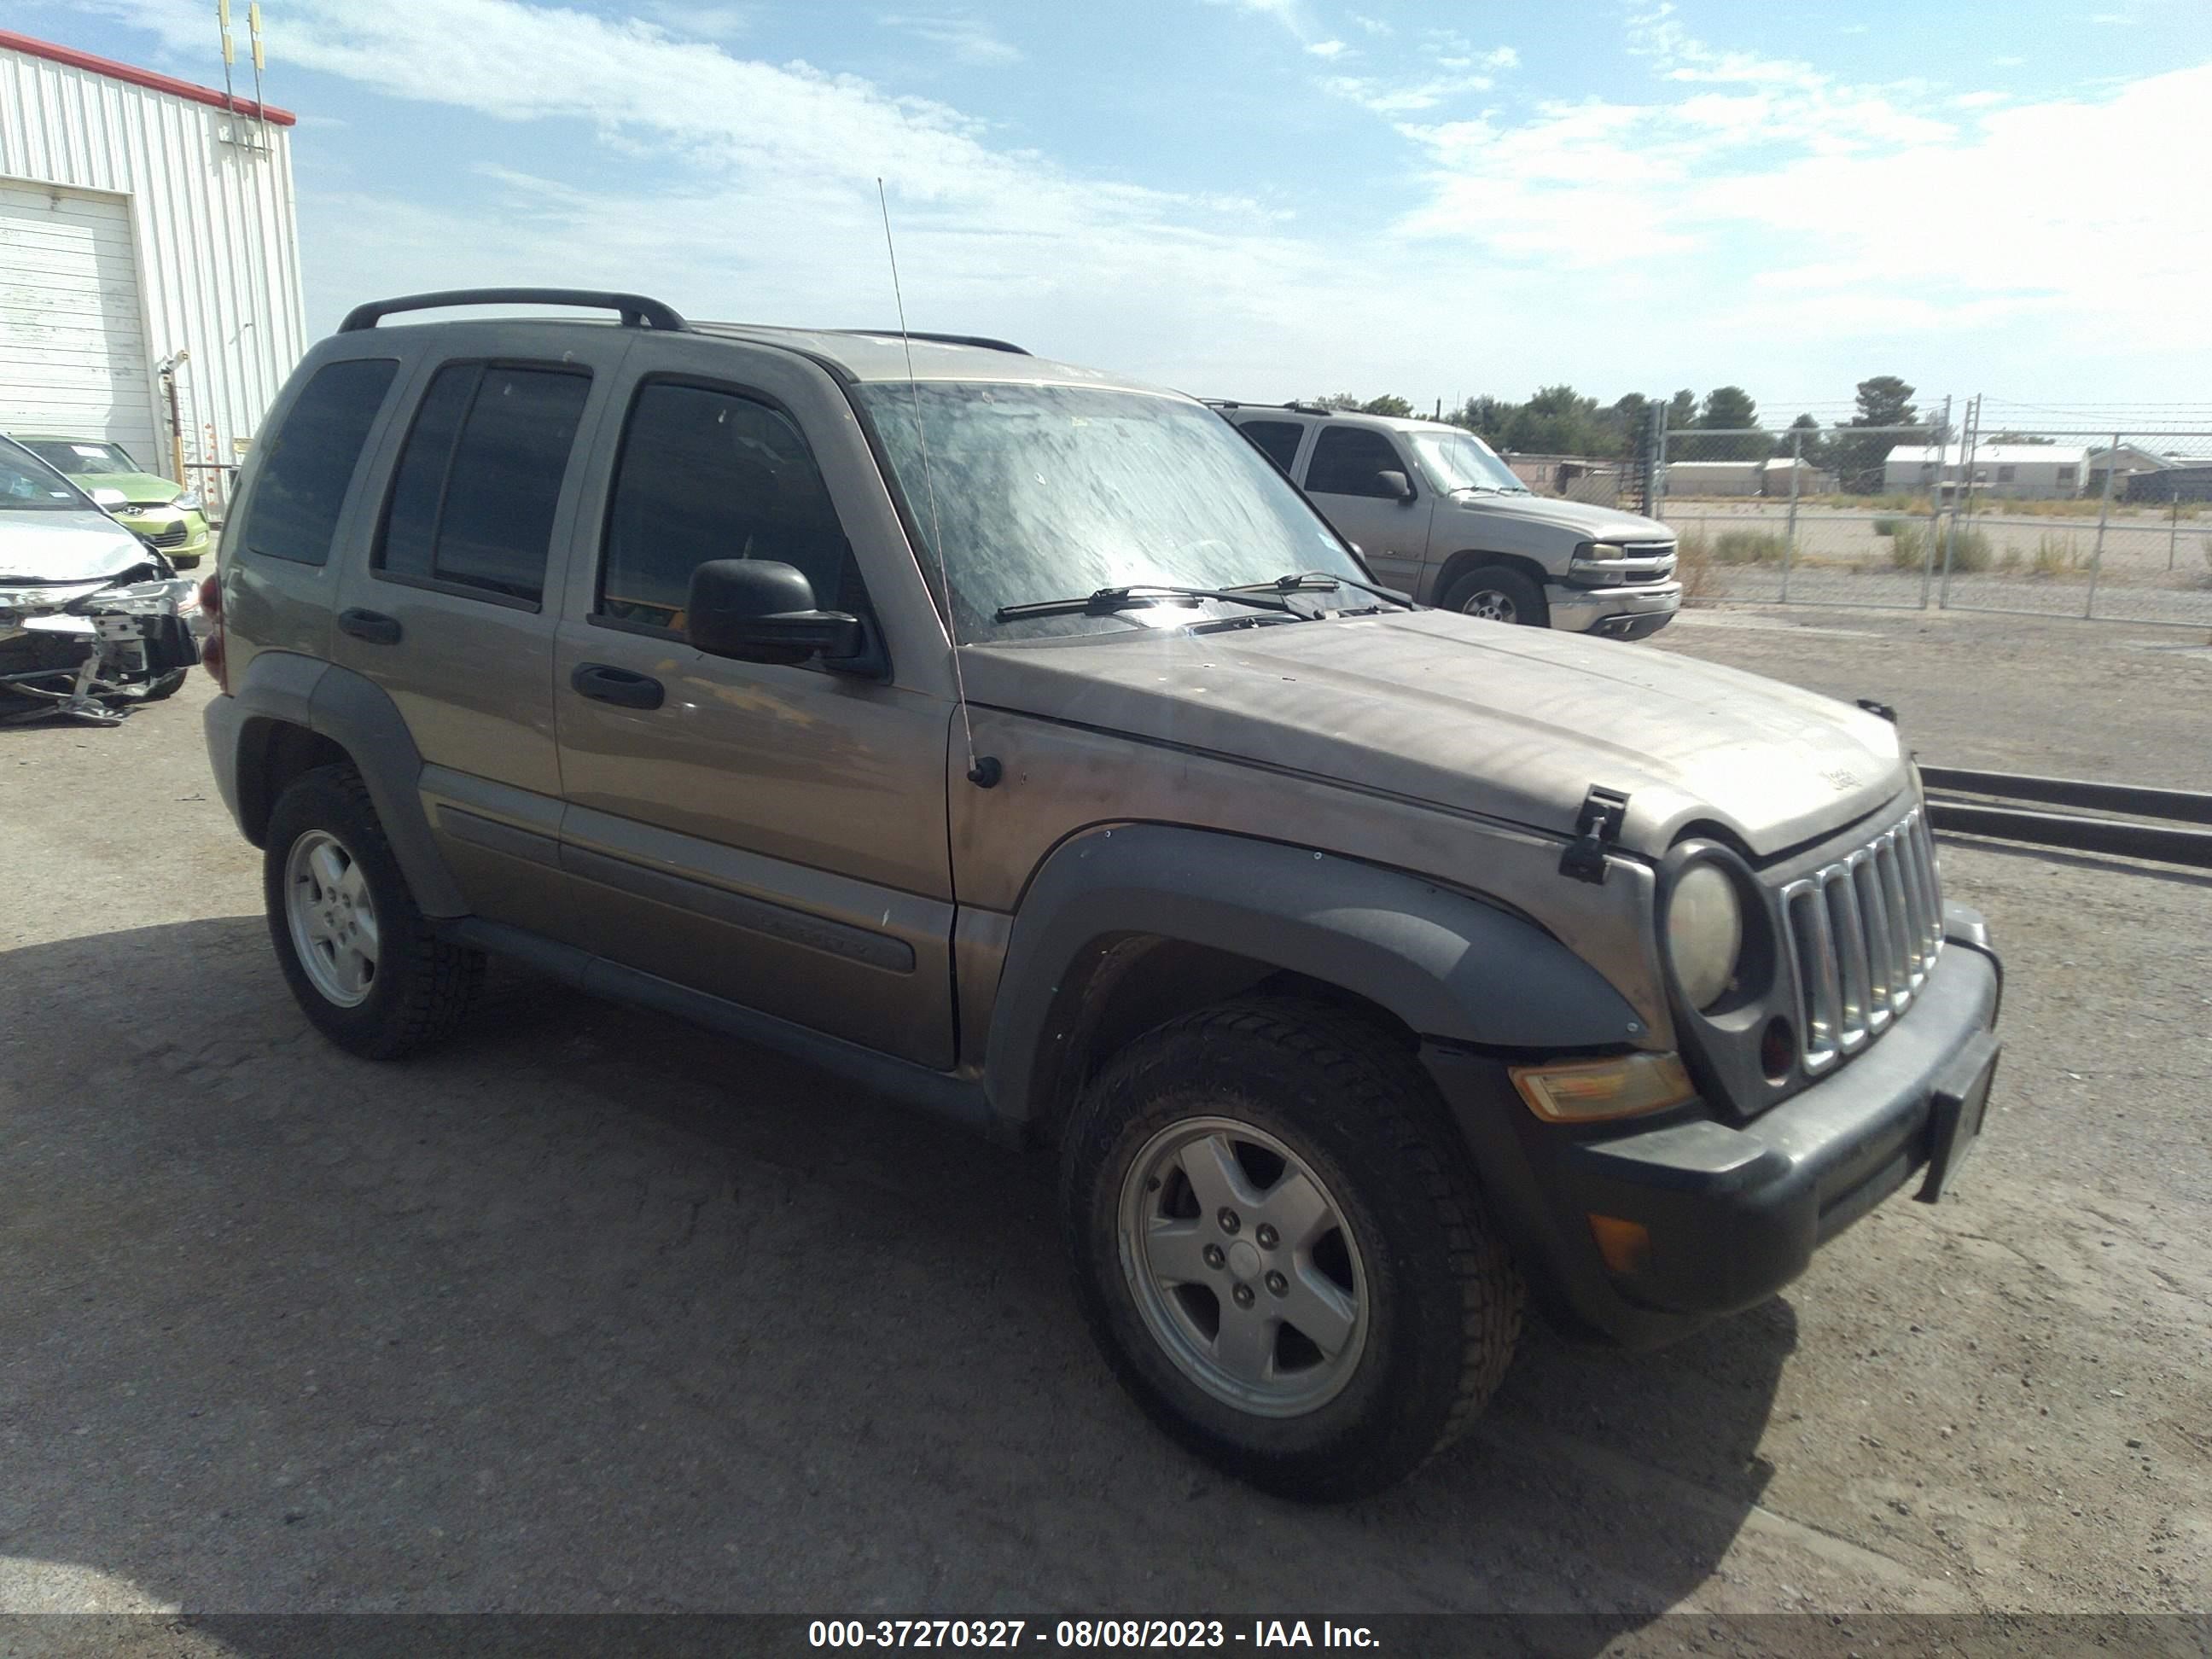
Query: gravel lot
{"type": "Point", "coordinates": [594, 1312]}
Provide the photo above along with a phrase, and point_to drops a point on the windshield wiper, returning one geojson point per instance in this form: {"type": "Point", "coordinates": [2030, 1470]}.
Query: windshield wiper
{"type": "Point", "coordinates": [1324, 582]}
{"type": "Point", "coordinates": [1106, 601]}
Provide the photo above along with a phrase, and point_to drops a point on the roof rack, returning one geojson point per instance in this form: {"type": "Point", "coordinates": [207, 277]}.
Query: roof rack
{"type": "Point", "coordinates": [982, 340]}
{"type": "Point", "coordinates": [637, 310]}
{"type": "Point", "coordinates": [1295, 407]}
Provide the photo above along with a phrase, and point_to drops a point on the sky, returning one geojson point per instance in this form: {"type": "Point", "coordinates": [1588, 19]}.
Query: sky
{"type": "Point", "coordinates": [1272, 198]}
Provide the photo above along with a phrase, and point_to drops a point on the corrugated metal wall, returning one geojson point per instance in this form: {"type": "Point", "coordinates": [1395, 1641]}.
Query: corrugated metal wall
{"type": "Point", "coordinates": [216, 235]}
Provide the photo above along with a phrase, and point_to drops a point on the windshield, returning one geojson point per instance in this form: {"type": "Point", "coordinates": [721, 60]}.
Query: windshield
{"type": "Point", "coordinates": [1460, 460]}
{"type": "Point", "coordinates": [1049, 492]}
{"type": "Point", "coordinates": [82, 459]}
{"type": "Point", "coordinates": [28, 485]}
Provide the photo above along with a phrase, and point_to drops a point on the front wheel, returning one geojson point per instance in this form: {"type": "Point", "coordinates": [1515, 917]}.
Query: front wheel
{"type": "Point", "coordinates": [1279, 1250]}
{"type": "Point", "coordinates": [1499, 592]}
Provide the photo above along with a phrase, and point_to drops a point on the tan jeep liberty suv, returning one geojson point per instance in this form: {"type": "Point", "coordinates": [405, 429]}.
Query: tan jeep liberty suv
{"type": "Point", "coordinates": [1016, 741]}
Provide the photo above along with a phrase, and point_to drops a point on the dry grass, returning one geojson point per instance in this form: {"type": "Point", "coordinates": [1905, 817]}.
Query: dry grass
{"type": "Point", "coordinates": [1749, 547]}
{"type": "Point", "coordinates": [1693, 568]}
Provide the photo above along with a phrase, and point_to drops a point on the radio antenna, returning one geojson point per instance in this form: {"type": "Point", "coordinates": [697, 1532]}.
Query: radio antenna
{"type": "Point", "coordinates": [981, 773]}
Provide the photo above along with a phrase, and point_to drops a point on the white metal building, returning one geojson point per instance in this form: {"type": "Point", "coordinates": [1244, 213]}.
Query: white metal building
{"type": "Point", "coordinates": [144, 221]}
{"type": "Point", "coordinates": [2022, 471]}
{"type": "Point", "coordinates": [1713, 477]}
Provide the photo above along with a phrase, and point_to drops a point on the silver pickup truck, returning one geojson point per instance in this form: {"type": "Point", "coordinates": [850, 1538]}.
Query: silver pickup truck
{"type": "Point", "coordinates": [1436, 514]}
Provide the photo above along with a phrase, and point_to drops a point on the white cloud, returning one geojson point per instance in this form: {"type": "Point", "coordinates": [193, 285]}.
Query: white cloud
{"type": "Point", "coordinates": [1327, 48]}
{"type": "Point", "coordinates": [967, 38]}
{"type": "Point", "coordinates": [1447, 65]}
{"type": "Point", "coordinates": [703, 21]}
{"type": "Point", "coordinates": [1372, 25]}
{"type": "Point", "coordinates": [1740, 217]}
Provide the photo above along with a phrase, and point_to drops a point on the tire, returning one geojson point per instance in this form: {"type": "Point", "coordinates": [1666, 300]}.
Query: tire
{"type": "Point", "coordinates": [1436, 1299]}
{"type": "Point", "coordinates": [1500, 593]}
{"type": "Point", "coordinates": [417, 985]}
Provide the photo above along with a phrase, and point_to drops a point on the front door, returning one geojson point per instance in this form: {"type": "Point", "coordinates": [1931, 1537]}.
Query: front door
{"type": "Point", "coordinates": [770, 834]}
{"type": "Point", "coordinates": [1343, 476]}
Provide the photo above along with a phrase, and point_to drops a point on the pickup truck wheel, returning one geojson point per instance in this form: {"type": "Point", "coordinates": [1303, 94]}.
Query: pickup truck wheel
{"type": "Point", "coordinates": [1280, 1250]}
{"type": "Point", "coordinates": [365, 965]}
{"type": "Point", "coordinates": [1499, 592]}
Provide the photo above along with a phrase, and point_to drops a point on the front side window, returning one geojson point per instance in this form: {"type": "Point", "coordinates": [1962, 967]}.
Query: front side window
{"type": "Point", "coordinates": [1048, 492]}
{"type": "Point", "coordinates": [1349, 460]}
{"type": "Point", "coordinates": [306, 467]}
{"type": "Point", "coordinates": [90, 458]}
{"type": "Point", "coordinates": [473, 500]}
{"type": "Point", "coordinates": [710, 475]}
{"type": "Point", "coordinates": [1277, 440]}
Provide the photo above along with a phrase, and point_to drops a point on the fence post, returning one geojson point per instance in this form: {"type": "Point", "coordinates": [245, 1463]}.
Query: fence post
{"type": "Point", "coordinates": [1659, 465]}
{"type": "Point", "coordinates": [1790, 535]}
{"type": "Point", "coordinates": [1942, 436]}
{"type": "Point", "coordinates": [2173, 528]}
{"type": "Point", "coordinates": [1965, 495]}
{"type": "Point", "coordinates": [2104, 512]}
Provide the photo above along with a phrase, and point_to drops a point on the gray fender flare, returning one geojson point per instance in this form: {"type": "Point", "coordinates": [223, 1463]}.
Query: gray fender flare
{"type": "Point", "coordinates": [356, 714]}
{"type": "Point", "coordinates": [1450, 967]}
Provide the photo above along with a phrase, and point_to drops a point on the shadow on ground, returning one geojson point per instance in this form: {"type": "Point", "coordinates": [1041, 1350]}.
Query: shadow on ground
{"type": "Point", "coordinates": [591, 1311]}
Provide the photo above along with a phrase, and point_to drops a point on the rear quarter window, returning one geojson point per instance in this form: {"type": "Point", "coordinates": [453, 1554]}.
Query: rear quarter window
{"type": "Point", "coordinates": [307, 466]}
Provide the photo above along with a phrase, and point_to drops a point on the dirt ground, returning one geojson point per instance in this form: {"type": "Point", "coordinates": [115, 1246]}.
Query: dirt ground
{"type": "Point", "coordinates": [594, 1312]}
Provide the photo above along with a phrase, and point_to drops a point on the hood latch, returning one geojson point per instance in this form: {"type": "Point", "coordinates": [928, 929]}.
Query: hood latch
{"type": "Point", "coordinates": [1597, 827]}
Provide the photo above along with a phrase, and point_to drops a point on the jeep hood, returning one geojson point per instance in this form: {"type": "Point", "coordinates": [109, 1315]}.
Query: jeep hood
{"type": "Point", "coordinates": [1510, 723]}
{"type": "Point", "coordinates": [1587, 520]}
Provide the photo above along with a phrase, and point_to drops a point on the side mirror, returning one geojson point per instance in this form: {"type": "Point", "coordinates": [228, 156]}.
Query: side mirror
{"type": "Point", "coordinates": [759, 611]}
{"type": "Point", "coordinates": [1394, 482]}
{"type": "Point", "coordinates": [111, 501]}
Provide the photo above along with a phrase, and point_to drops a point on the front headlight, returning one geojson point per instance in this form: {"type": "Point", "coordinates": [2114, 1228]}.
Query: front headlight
{"type": "Point", "coordinates": [189, 501]}
{"type": "Point", "coordinates": [1704, 934]}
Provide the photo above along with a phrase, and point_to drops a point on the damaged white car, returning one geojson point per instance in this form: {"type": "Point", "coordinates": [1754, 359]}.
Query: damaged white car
{"type": "Point", "coordinates": [93, 620]}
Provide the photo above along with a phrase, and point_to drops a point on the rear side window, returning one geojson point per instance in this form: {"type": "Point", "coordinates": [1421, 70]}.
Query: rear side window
{"type": "Point", "coordinates": [473, 502]}
{"type": "Point", "coordinates": [1346, 460]}
{"type": "Point", "coordinates": [1277, 440]}
{"type": "Point", "coordinates": [711, 474]}
{"type": "Point", "coordinates": [306, 467]}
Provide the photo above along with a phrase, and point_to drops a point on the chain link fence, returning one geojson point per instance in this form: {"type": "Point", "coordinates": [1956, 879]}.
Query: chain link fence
{"type": "Point", "coordinates": [2106, 526]}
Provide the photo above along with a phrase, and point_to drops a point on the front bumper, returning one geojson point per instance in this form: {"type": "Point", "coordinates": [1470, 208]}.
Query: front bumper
{"type": "Point", "coordinates": [181, 534]}
{"type": "Point", "coordinates": [1734, 1211]}
{"type": "Point", "coordinates": [1627, 612]}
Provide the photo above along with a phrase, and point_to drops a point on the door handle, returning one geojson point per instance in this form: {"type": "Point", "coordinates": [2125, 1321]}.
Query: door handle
{"type": "Point", "coordinates": [371, 625]}
{"type": "Point", "coordinates": [617, 685]}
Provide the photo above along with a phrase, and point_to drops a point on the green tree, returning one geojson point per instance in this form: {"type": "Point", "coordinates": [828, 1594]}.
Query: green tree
{"type": "Point", "coordinates": [1727, 409]}
{"type": "Point", "coordinates": [1386, 404]}
{"type": "Point", "coordinates": [1804, 434]}
{"type": "Point", "coordinates": [1626, 424]}
{"type": "Point", "coordinates": [1487, 417]}
{"type": "Point", "coordinates": [1557, 420]}
{"type": "Point", "coordinates": [1337, 400]}
{"type": "Point", "coordinates": [1682, 409]}
{"type": "Point", "coordinates": [1884, 401]}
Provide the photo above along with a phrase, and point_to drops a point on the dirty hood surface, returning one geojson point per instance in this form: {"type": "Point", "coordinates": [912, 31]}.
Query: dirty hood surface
{"type": "Point", "coordinates": [1512, 723]}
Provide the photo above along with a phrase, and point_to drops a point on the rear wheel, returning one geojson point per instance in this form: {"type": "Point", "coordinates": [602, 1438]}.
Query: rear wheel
{"type": "Point", "coordinates": [1281, 1251]}
{"type": "Point", "coordinates": [364, 963]}
{"type": "Point", "coordinates": [1499, 592]}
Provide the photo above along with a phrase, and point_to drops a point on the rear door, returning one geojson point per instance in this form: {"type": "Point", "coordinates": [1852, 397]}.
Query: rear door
{"type": "Point", "coordinates": [774, 835]}
{"type": "Point", "coordinates": [448, 613]}
{"type": "Point", "coordinates": [1342, 474]}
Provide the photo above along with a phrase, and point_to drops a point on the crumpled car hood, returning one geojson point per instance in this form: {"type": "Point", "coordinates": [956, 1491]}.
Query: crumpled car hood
{"type": "Point", "coordinates": [1510, 723]}
{"type": "Point", "coordinates": [64, 547]}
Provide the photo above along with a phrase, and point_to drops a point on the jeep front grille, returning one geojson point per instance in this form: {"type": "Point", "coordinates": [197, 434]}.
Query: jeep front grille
{"type": "Point", "coordinates": [1863, 934]}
